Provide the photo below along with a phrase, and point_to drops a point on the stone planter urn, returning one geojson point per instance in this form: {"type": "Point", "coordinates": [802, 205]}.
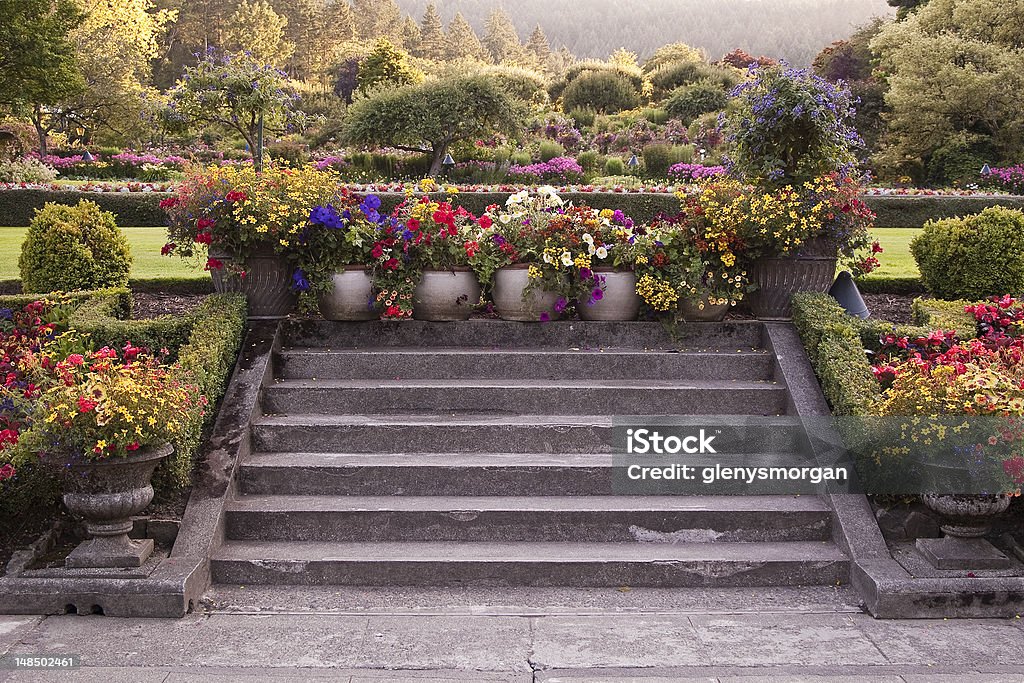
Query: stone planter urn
{"type": "Point", "coordinates": [511, 304]}
{"type": "Point", "coordinates": [619, 300]}
{"type": "Point", "coordinates": [107, 493]}
{"type": "Point", "coordinates": [445, 295]}
{"type": "Point", "coordinates": [778, 278]}
{"type": "Point", "coordinates": [267, 284]}
{"type": "Point", "coordinates": [966, 515]}
{"type": "Point", "coordinates": [350, 297]}
{"type": "Point", "coordinates": [702, 310]}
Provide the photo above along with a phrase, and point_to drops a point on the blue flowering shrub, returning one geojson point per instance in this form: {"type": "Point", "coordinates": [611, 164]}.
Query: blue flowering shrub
{"type": "Point", "coordinates": [789, 126]}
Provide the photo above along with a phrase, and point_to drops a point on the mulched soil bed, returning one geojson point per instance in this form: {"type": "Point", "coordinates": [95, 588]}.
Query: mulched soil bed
{"type": "Point", "coordinates": [892, 307]}
{"type": "Point", "coordinates": [151, 305]}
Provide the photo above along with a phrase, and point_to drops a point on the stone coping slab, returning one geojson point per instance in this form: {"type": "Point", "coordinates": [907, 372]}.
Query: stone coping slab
{"type": "Point", "coordinates": [172, 586]}
{"type": "Point", "coordinates": [888, 589]}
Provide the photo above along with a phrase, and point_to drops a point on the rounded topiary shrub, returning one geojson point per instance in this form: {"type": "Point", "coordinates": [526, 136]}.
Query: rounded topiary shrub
{"type": "Point", "coordinates": [973, 257]}
{"type": "Point", "coordinates": [69, 248]}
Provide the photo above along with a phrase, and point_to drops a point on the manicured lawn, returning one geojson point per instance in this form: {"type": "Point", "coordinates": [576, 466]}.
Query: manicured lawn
{"type": "Point", "coordinates": [145, 244]}
{"type": "Point", "coordinates": [896, 259]}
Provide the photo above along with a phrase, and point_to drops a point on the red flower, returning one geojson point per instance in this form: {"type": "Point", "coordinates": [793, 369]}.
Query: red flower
{"type": "Point", "coordinates": [413, 225]}
{"type": "Point", "coordinates": [167, 248]}
{"type": "Point", "coordinates": [236, 196]}
{"type": "Point", "coordinates": [7, 471]}
{"type": "Point", "coordinates": [133, 446]}
{"type": "Point", "coordinates": [205, 224]}
{"type": "Point", "coordinates": [393, 312]}
{"type": "Point", "coordinates": [391, 264]}
{"type": "Point", "coordinates": [85, 405]}
{"type": "Point", "coordinates": [472, 248]}
{"type": "Point", "coordinates": [486, 222]}
{"type": "Point", "coordinates": [213, 264]}
{"type": "Point", "coordinates": [76, 359]}
{"type": "Point", "coordinates": [204, 238]}
{"type": "Point", "coordinates": [169, 203]}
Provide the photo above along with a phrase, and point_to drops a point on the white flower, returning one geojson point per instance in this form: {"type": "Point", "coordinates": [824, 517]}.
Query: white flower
{"type": "Point", "coordinates": [505, 218]}
{"type": "Point", "coordinates": [590, 249]}
{"type": "Point", "coordinates": [547, 257]}
{"type": "Point", "coordinates": [566, 259]}
{"type": "Point", "coordinates": [602, 253]}
{"type": "Point", "coordinates": [588, 238]}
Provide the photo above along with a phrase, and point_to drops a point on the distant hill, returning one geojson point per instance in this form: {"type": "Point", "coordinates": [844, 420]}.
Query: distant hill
{"type": "Point", "coordinates": [792, 29]}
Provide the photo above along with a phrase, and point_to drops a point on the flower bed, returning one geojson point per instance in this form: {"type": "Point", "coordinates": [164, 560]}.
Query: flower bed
{"type": "Point", "coordinates": [42, 339]}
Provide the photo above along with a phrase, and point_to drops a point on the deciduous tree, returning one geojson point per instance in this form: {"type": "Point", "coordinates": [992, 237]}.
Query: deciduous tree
{"type": "Point", "coordinates": [430, 117]}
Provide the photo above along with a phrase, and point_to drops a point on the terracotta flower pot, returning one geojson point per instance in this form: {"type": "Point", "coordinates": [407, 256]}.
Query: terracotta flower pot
{"type": "Point", "coordinates": [446, 295]}
{"type": "Point", "coordinates": [267, 284]}
{"type": "Point", "coordinates": [107, 493]}
{"type": "Point", "coordinates": [618, 301]}
{"type": "Point", "coordinates": [351, 296]}
{"type": "Point", "coordinates": [509, 285]}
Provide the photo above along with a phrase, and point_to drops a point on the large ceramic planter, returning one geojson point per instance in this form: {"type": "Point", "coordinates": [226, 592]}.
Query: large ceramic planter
{"type": "Point", "coordinates": [778, 278]}
{"type": "Point", "coordinates": [106, 493]}
{"type": "Point", "coordinates": [444, 295]}
{"type": "Point", "coordinates": [619, 300]}
{"type": "Point", "coordinates": [267, 284]}
{"type": "Point", "coordinates": [702, 310]}
{"type": "Point", "coordinates": [967, 515]}
{"type": "Point", "coordinates": [350, 297]}
{"type": "Point", "coordinates": [510, 303]}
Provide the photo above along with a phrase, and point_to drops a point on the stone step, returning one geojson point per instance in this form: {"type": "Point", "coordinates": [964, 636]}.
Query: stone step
{"type": "Point", "coordinates": [710, 565]}
{"type": "Point", "coordinates": [485, 433]}
{"type": "Point", "coordinates": [444, 474]}
{"type": "Point", "coordinates": [514, 397]}
{"type": "Point", "coordinates": [605, 519]}
{"type": "Point", "coordinates": [516, 364]}
{"type": "Point", "coordinates": [503, 334]}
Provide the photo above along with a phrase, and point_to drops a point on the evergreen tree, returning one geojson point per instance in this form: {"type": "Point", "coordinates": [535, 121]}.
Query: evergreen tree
{"type": "Point", "coordinates": [378, 19]}
{"type": "Point", "coordinates": [463, 42]}
{"type": "Point", "coordinates": [410, 34]}
{"type": "Point", "coordinates": [433, 44]}
{"type": "Point", "coordinates": [502, 40]}
{"type": "Point", "coordinates": [257, 29]}
{"type": "Point", "coordinates": [386, 66]}
{"type": "Point", "coordinates": [538, 46]}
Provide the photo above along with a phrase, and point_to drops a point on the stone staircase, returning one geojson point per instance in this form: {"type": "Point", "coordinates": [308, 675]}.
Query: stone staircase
{"type": "Point", "coordinates": [479, 453]}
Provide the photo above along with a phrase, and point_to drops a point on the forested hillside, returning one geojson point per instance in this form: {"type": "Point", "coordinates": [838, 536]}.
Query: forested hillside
{"type": "Point", "coordinates": [793, 29]}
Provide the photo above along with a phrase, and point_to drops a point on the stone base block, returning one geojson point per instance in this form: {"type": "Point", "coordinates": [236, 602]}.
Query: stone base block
{"type": "Point", "coordinates": [109, 552]}
{"type": "Point", "coordinates": [962, 553]}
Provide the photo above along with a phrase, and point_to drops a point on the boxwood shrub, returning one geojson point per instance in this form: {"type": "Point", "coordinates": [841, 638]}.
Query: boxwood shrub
{"type": "Point", "coordinates": [972, 257]}
{"type": "Point", "coordinates": [76, 247]}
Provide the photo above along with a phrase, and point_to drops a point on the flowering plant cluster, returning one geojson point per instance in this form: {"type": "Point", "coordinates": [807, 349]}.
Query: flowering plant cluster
{"type": "Point", "coordinates": [790, 126]}
{"type": "Point", "coordinates": [559, 169]}
{"type": "Point", "coordinates": [422, 234]}
{"type": "Point", "coordinates": [941, 375]}
{"type": "Point", "coordinates": [234, 211]}
{"type": "Point", "coordinates": [1009, 179]}
{"type": "Point", "coordinates": [692, 173]}
{"type": "Point", "coordinates": [110, 403]}
{"type": "Point", "coordinates": [565, 246]}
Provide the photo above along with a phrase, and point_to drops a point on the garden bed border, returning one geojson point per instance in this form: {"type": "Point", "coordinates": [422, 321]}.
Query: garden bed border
{"type": "Point", "coordinates": [888, 590]}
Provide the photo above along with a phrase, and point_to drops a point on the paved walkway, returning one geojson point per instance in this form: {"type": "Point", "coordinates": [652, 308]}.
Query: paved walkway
{"type": "Point", "coordinates": [515, 635]}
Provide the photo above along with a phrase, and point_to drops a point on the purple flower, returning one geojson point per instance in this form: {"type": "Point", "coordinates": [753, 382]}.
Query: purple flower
{"type": "Point", "coordinates": [545, 317]}
{"type": "Point", "coordinates": [597, 294]}
{"type": "Point", "coordinates": [299, 281]}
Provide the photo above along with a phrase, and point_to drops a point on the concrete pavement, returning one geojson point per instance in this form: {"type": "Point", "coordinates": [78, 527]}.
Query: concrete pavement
{"type": "Point", "coordinates": [522, 635]}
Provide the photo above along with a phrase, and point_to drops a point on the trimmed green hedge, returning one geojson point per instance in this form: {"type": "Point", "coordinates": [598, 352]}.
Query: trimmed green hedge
{"type": "Point", "coordinates": [205, 343]}
{"type": "Point", "coordinates": [832, 340]}
{"type": "Point", "coordinates": [914, 212]}
{"type": "Point", "coordinates": [142, 209]}
{"type": "Point", "coordinates": [890, 285]}
{"type": "Point", "coordinates": [17, 207]}
{"type": "Point", "coordinates": [187, 286]}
